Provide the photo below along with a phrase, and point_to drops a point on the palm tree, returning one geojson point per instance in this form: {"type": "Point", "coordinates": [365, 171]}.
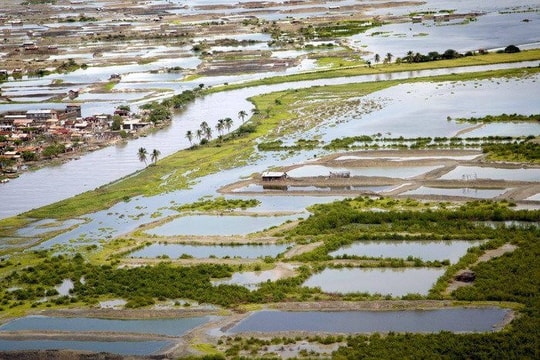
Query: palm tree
{"type": "Point", "coordinates": [389, 57]}
{"type": "Point", "coordinates": [199, 134]}
{"type": "Point", "coordinates": [155, 155]}
{"type": "Point", "coordinates": [377, 58]}
{"type": "Point", "coordinates": [220, 126]}
{"type": "Point", "coordinates": [410, 56]}
{"type": "Point", "coordinates": [189, 136]}
{"type": "Point", "coordinates": [204, 125]}
{"type": "Point", "coordinates": [242, 115]}
{"type": "Point", "coordinates": [228, 124]}
{"type": "Point", "coordinates": [208, 133]}
{"type": "Point", "coordinates": [142, 155]}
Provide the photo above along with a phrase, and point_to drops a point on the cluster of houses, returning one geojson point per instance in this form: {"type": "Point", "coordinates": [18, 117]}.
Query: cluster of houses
{"type": "Point", "coordinates": [33, 130]}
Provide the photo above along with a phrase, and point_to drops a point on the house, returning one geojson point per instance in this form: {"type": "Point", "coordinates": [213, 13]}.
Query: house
{"type": "Point", "coordinates": [273, 175]}
{"type": "Point", "coordinates": [41, 115]}
{"type": "Point", "coordinates": [417, 19]}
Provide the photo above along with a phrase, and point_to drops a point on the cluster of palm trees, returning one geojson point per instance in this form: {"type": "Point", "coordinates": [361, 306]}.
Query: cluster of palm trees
{"type": "Point", "coordinates": [204, 132]}
{"type": "Point", "coordinates": [143, 155]}
{"type": "Point", "coordinates": [387, 58]}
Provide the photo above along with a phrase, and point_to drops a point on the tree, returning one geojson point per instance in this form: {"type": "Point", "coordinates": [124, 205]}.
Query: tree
{"type": "Point", "coordinates": [220, 126]}
{"type": "Point", "coordinates": [410, 56]}
{"type": "Point", "coordinates": [189, 136]}
{"type": "Point", "coordinates": [117, 122]}
{"type": "Point", "coordinates": [377, 58]}
{"type": "Point", "coordinates": [389, 57]}
{"type": "Point", "coordinates": [208, 133]}
{"type": "Point", "coordinates": [199, 134]}
{"type": "Point", "coordinates": [142, 155]}
{"type": "Point", "coordinates": [228, 124]}
{"type": "Point", "coordinates": [511, 49]}
{"type": "Point", "coordinates": [242, 115]}
{"type": "Point", "coordinates": [155, 155]}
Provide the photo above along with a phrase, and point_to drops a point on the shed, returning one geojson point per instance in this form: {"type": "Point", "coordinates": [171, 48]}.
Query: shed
{"type": "Point", "coordinates": [273, 175]}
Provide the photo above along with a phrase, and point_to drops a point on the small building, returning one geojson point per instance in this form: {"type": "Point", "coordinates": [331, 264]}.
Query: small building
{"type": "Point", "coordinates": [340, 174]}
{"type": "Point", "coordinates": [273, 175]}
{"type": "Point", "coordinates": [417, 19]}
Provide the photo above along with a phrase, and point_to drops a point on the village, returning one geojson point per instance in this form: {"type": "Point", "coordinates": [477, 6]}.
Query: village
{"type": "Point", "coordinates": [30, 137]}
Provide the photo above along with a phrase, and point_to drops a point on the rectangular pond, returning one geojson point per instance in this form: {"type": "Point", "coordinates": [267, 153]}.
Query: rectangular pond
{"type": "Point", "coordinates": [385, 281]}
{"type": "Point", "coordinates": [206, 251]}
{"type": "Point", "coordinates": [402, 172]}
{"type": "Point", "coordinates": [170, 327]}
{"type": "Point", "coordinates": [141, 348]}
{"type": "Point", "coordinates": [428, 250]}
{"type": "Point", "coordinates": [416, 321]}
{"type": "Point", "coordinates": [477, 172]}
{"type": "Point", "coordinates": [207, 225]}
{"type": "Point", "coordinates": [465, 192]}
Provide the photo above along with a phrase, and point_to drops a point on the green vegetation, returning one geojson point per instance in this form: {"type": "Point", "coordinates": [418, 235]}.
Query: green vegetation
{"type": "Point", "coordinates": [522, 151]}
{"type": "Point", "coordinates": [502, 118]}
{"type": "Point", "coordinates": [219, 204]}
{"type": "Point", "coordinates": [338, 29]}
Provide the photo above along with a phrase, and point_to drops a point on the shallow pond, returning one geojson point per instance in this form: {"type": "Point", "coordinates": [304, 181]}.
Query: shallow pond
{"type": "Point", "coordinates": [403, 172]}
{"type": "Point", "coordinates": [251, 279]}
{"type": "Point", "coordinates": [170, 327]}
{"type": "Point", "coordinates": [426, 250]}
{"type": "Point", "coordinates": [465, 192]}
{"type": "Point", "coordinates": [506, 129]}
{"type": "Point", "coordinates": [207, 251]}
{"type": "Point", "coordinates": [385, 281]}
{"type": "Point", "coordinates": [205, 225]}
{"type": "Point", "coordinates": [47, 225]}
{"type": "Point", "coordinates": [415, 321]}
{"type": "Point", "coordinates": [477, 172]}
{"type": "Point", "coordinates": [115, 347]}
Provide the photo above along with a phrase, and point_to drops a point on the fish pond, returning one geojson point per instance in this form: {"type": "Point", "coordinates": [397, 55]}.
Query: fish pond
{"type": "Point", "coordinates": [169, 327]}
{"type": "Point", "coordinates": [114, 347]}
{"type": "Point", "coordinates": [465, 192]}
{"type": "Point", "coordinates": [416, 321]}
{"type": "Point", "coordinates": [385, 281]}
{"type": "Point", "coordinates": [426, 250]}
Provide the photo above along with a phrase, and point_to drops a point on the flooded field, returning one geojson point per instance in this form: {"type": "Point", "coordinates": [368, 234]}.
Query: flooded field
{"type": "Point", "coordinates": [218, 225]}
{"type": "Point", "coordinates": [137, 53]}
